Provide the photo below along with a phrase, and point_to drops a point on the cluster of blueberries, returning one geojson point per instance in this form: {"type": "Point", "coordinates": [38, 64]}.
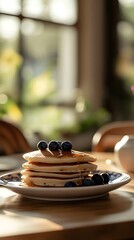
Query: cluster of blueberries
{"type": "Point", "coordinates": [54, 145]}
{"type": "Point", "coordinates": [96, 179]}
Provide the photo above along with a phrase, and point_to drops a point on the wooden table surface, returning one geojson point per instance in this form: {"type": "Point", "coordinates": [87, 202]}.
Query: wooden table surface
{"type": "Point", "coordinates": [108, 217]}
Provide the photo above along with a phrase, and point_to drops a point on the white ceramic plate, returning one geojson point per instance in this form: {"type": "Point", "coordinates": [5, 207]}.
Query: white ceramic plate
{"type": "Point", "coordinates": [12, 181]}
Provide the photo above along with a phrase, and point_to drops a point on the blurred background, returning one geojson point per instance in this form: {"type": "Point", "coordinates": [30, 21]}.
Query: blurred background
{"type": "Point", "coordinates": [66, 66]}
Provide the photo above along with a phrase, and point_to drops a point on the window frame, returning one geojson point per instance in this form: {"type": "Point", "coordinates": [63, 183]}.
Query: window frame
{"type": "Point", "coordinates": [90, 76]}
{"type": "Point", "coordinates": [21, 17]}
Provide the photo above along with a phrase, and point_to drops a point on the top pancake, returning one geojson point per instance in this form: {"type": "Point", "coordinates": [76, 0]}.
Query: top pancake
{"type": "Point", "coordinates": [58, 157]}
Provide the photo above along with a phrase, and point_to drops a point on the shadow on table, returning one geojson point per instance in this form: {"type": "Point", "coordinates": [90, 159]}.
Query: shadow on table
{"type": "Point", "coordinates": [60, 212]}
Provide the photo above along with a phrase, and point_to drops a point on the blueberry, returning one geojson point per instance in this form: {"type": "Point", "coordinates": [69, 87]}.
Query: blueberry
{"type": "Point", "coordinates": [70, 184]}
{"type": "Point", "coordinates": [42, 145]}
{"type": "Point", "coordinates": [106, 177]}
{"type": "Point", "coordinates": [98, 179]}
{"type": "Point", "coordinates": [88, 182]}
{"type": "Point", "coordinates": [53, 145]}
{"type": "Point", "coordinates": [66, 146]}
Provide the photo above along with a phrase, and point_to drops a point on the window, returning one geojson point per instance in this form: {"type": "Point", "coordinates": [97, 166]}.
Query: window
{"type": "Point", "coordinates": [125, 56]}
{"type": "Point", "coordinates": [38, 60]}
{"type": "Point", "coordinates": [56, 51]}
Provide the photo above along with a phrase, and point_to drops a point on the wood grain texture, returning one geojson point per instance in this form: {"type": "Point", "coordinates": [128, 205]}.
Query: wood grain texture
{"type": "Point", "coordinates": [108, 217]}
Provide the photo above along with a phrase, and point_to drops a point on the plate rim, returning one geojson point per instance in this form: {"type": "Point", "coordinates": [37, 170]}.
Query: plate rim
{"type": "Point", "coordinates": [28, 192]}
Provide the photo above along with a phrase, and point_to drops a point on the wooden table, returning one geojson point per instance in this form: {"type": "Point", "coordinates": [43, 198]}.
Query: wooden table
{"type": "Point", "coordinates": [108, 217]}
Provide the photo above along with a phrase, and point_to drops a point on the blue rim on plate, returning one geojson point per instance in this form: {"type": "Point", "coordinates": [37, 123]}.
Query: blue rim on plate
{"type": "Point", "coordinates": [13, 182]}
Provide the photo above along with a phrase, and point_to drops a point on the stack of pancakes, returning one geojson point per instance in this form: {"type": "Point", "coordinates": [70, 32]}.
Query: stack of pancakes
{"type": "Point", "coordinates": [56, 168]}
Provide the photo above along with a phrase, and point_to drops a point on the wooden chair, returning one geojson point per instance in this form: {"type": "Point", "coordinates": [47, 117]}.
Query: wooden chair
{"type": "Point", "coordinates": [108, 135]}
{"type": "Point", "coordinates": [12, 139]}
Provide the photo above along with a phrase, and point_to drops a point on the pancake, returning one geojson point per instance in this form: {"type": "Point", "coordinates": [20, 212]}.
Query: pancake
{"type": "Point", "coordinates": [51, 182]}
{"type": "Point", "coordinates": [75, 167]}
{"type": "Point", "coordinates": [66, 175]}
{"type": "Point", "coordinates": [55, 168]}
{"type": "Point", "coordinates": [47, 156]}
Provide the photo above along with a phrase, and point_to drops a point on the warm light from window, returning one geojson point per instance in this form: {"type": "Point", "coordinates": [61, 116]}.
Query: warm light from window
{"type": "Point", "coordinates": [35, 7]}
{"type": "Point", "coordinates": [10, 6]}
{"type": "Point", "coordinates": [63, 11]}
{"type": "Point", "coordinates": [8, 27]}
{"type": "Point", "coordinates": [126, 2]}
